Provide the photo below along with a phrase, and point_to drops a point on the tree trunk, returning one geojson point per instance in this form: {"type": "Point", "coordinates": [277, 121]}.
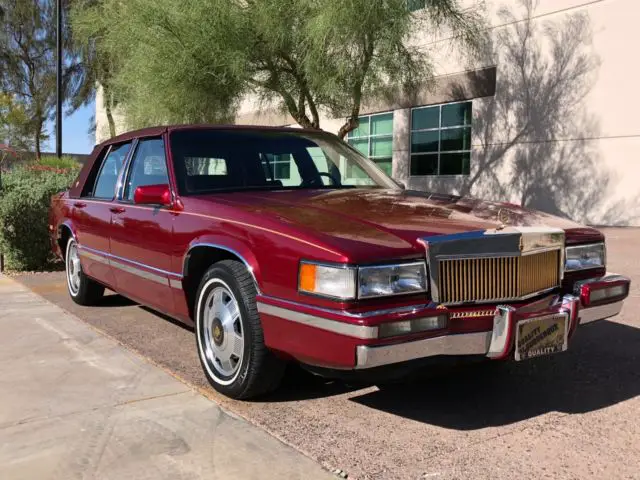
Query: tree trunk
{"type": "Point", "coordinates": [108, 105]}
{"type": "Point", "coordinates": [37, 141]}
{"type": "Point", "coordinates": [351, 124]}
{"type": "Point", "coordinates": [112, 123]}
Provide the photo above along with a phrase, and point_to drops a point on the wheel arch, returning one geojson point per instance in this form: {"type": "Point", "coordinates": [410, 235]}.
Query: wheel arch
{"type": "Point", "coordinates": [204, 253]}
{"type": "Point", "coordinates": [65, 232]}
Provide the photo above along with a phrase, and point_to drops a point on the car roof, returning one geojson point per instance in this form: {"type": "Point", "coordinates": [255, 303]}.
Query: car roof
{"type": "Point", "coordinates": [159, 130]}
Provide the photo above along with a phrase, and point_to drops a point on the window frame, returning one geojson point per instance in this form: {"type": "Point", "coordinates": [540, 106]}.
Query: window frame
{"type": "Point", "coordinates": [103, 160]}
{"type": "Point", "coordinates": [439, 129]}
{"type": "Point", "coordinates": [94, 172]}
{"type": "Point", "coordinates": [127, 168]}
{"type": "Point", "coordinates": [369, 137]}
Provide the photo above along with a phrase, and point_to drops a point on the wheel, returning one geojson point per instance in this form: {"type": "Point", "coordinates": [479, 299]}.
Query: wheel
{"type": "Point", "coordinates": [229, 334]}
{"type": "Point", "coordinates": [82, 289]}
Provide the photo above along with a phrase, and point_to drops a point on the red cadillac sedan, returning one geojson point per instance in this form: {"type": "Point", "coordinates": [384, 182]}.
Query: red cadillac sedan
{"type": "Point", "coordinates": [283, 245]}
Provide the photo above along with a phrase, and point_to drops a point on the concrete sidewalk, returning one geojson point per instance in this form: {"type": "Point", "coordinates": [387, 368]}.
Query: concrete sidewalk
{"type": "Point", "coordinates": [75, 404]}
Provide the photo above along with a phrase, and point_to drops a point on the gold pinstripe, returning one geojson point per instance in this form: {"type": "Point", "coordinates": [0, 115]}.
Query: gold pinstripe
{"type": "Point", "coordinates": [236, 222]}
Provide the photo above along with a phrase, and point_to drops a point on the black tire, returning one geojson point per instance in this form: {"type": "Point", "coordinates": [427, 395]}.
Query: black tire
{"type": "Point", "coordinates": [258, 371]}
{"type": "Point", "coordinates": [86, 291]}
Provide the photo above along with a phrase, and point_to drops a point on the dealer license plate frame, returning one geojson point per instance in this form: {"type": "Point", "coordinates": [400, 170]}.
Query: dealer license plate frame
{"type": "Point", "coordinates": [557, 344]}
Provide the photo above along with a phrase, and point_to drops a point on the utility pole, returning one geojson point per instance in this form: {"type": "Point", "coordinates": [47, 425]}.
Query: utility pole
{"type": "Point", "coordinates": [59, 79]}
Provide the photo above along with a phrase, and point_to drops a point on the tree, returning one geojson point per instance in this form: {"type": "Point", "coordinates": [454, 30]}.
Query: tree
{"type": "Point", "coordinates": [363, 49]}
{"type": "Point", "coordinates": [94, 67]}
{"type": "Point", "coordinates": [28, 61]}
{"type": "Point", "coordinates": [176, 68]}
{"type": "Point", "coordinates": [195, 60]}
{"type": "Point", "coordinates": [14, 123]}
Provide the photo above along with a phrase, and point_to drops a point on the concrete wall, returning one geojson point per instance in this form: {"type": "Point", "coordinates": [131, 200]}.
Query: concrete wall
{"type": "Point", "coordinates": [555, 120]}
{"type": "Point", "coordinates": [561, 133]}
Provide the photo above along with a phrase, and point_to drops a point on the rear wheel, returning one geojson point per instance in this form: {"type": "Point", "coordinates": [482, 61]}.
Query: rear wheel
{"type": "Point", "coordinates": [229, 334]}
{"type": "Point", "coordinates": [82, 289]}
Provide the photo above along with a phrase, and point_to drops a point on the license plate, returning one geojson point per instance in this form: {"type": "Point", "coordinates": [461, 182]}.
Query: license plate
{"type": "Point", "coordinates": [540, 336]}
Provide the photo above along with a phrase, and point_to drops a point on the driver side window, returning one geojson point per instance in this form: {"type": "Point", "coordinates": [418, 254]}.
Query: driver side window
{"type": "Point", "coordinates": [148, 167]}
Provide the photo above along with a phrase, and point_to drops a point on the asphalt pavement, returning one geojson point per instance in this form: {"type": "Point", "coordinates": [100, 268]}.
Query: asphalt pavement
{"type": "Point", "coordinates": [569, 416]}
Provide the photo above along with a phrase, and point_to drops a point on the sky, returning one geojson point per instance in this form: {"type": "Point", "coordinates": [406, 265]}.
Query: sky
{"type": "Point", "coordinates": [76, 137]}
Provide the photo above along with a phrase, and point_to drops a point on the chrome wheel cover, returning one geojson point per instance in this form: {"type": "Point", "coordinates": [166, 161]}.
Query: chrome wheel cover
{"type": "Point", "coordinates": [73, 268]}
{"type": "Point", "coordinates": [222, 336]}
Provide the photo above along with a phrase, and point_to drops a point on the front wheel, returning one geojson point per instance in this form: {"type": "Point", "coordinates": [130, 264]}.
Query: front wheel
{"type": "Point", "coordinates": [82, 289]}
{"type": "Point", "coordinates": [229, 334]}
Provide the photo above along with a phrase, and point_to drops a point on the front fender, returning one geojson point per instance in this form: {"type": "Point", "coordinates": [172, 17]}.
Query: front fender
{"type": "Point", "coordinates": [231, 245]}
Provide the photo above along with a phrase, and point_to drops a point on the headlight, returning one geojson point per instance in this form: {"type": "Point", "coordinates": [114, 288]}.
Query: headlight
{"type": "Point", "coordinates": [330, 281]}
{"type": "Point", "coordinates": [584, 257]}
{"type": "Point", "coordinates": [385, 280]}
{"type": "Point", "coordinates": [337, 281]}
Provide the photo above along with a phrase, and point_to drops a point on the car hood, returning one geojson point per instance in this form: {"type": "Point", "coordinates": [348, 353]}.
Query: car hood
{"type": "Point", "coordinates": [395, 218]}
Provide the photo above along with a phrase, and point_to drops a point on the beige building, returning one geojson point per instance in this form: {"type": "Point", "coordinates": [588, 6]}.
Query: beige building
{"type": "Point", "coordinates": [546, 117]}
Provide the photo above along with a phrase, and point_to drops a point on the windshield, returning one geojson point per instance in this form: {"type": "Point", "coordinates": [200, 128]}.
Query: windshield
{"type": "Point", "coordinates": [226, 160]}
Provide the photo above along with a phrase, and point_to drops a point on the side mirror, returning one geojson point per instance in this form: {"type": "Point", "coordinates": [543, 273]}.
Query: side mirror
{"type": "Point", "coordinates": [152, 195]}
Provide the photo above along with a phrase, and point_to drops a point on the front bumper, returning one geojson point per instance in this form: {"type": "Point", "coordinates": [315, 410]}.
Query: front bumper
{"type": "Point", "coordinates": [462, 344]}
{"type": "Point", "coordinates": [348, 341]}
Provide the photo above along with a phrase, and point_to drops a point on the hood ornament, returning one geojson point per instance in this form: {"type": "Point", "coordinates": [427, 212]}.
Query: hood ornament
{"type": "Point", "coordinates": [504, 217]}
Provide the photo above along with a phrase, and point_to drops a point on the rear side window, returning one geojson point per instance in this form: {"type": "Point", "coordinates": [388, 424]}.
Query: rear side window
{"type": "Point", "coordinates": [107, 178]}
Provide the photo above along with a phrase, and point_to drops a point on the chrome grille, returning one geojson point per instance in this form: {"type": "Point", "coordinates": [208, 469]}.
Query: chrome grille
{"type": "Point", "coordinates": [497, 278]}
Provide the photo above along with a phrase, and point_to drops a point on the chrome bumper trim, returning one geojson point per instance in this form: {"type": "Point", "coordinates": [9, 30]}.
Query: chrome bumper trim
{"type": "Point", "coordinates": [335, 326]}
{"type": "Point", "coordinates": [409, 309]}
{"type": "Point", "coordinates": [462, 344]}
{"type": "Point", "coordinates": [93, 256]}
{"type": "Point", "coordinates": [147, 272]}
{"type": "Point", "coordinates": [139, 272]}
{"type": "Point", "coordinates": [600, 312]}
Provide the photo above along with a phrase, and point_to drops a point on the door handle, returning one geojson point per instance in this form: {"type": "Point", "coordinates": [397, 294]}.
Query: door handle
{"type": "Point", "coordinates": [117, 209]}
{"type": "Point", "coordinates": [79, 204]}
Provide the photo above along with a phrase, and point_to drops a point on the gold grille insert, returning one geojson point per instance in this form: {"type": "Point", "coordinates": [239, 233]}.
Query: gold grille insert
{"type": "Point", "coordinates": [497, 278]}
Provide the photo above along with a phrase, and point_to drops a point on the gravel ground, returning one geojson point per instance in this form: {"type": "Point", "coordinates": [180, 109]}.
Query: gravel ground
{"type": "Point", "coordinates": [573, 415]}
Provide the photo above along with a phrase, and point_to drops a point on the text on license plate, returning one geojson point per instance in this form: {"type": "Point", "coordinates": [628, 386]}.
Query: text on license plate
{"type": "Point", "coordinates": [541, 336]}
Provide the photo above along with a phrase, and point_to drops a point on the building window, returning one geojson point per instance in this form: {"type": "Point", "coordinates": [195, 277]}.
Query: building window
{"type": "Point", "coordinates": [282, 167]}
{"type": "Point", "coordinates": [276, 167]}
{"type": "Point", "coordinates": [441, 139]}
{"type": "Point", "coordinates": [374, 139]}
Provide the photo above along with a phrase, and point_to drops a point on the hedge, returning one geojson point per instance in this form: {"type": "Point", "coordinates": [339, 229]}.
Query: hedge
{"type": "Point", "coordinates": [25, 196]}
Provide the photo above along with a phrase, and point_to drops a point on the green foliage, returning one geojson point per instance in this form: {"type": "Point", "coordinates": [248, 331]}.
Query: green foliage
{"type": "Point", "coordinates": [94, 66]}
{"type": "Point", "coordinates": [24, 206]}
{"type": "Point", "coordinates": [14, 123]}
{"type": "Point", "coordinates": [28, 61]}
{"type": "Point", "coordinates": [193, 61]}
{"type": "Point", "coordinates": [180, 64]}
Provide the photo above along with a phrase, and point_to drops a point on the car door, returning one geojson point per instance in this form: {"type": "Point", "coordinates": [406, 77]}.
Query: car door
{"type": "Point", "coordinates": [91, 212]}
{"type": "Point", "coordinates": [141, 235]}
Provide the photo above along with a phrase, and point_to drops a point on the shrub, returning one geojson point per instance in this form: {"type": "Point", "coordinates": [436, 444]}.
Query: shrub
{"type": "Point", "coordinates": [66, 162]}
{"type": "Point", "coordinates": [24, 214]}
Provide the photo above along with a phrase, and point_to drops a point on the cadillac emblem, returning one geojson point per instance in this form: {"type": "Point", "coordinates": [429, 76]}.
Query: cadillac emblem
{"type": "Point", "coordinates": [504, 216]}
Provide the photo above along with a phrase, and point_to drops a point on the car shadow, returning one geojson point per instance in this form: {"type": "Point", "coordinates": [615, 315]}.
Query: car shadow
{"type": "Point", "coordinates": [599, 370]}
{"type": "Point", "coordinates": [299, 384]}
{"type": "Point", "coordinates": [115, 300]}
{"type": "Point", "coordinates": [167, 318]}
